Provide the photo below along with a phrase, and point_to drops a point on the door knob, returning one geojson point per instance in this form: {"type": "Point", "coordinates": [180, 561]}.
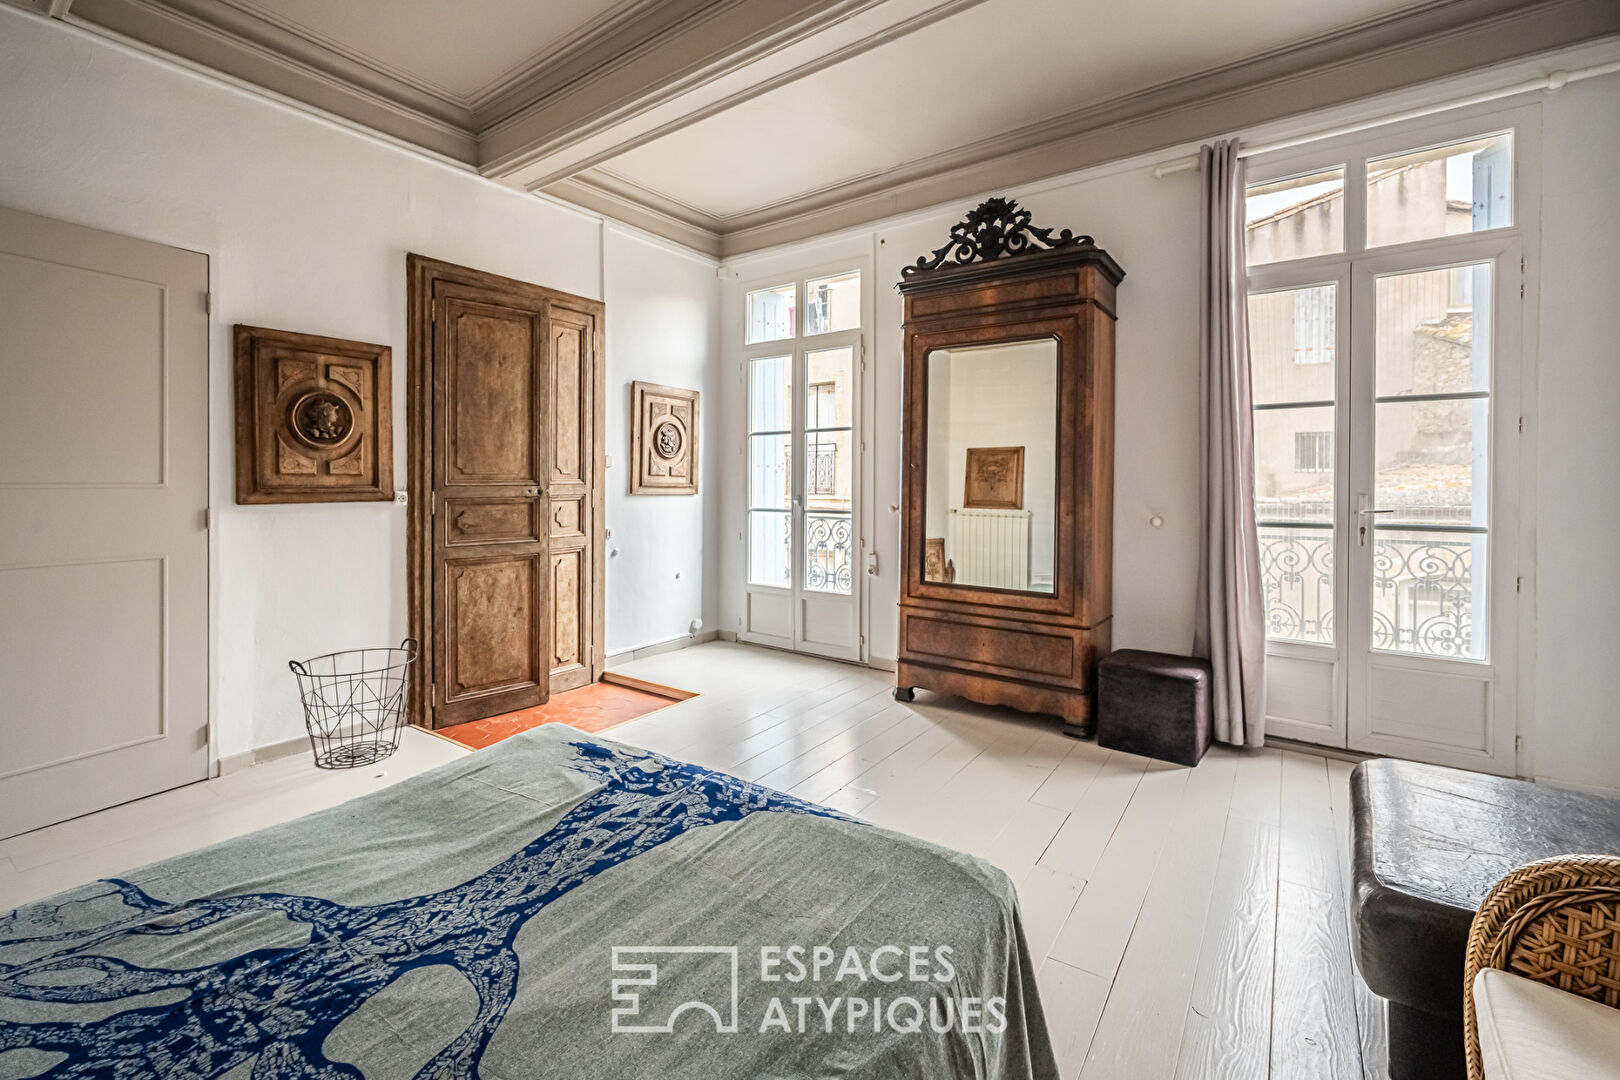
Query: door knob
{"type": "Point", "coordinates": [533, 492]}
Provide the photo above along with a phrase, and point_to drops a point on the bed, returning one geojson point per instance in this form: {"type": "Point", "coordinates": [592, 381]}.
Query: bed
{"type": "Point", "coordinates": [555, 906]}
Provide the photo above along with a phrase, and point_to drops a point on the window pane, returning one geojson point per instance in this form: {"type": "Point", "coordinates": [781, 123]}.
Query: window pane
{"type": "Point", "coordinates": [770, 314]}
{"type": "Point", "coordinates": [828, 401]}
{"type": "Point", "coordinates": [1293, 464]}
{"type": "Point", "coordinates": [770, 545]}
{"type": "Point", "coordinates": [770, 394]}
{"type": "Point", "coordinates": [827, 470]}
{"type": "Point", "coordinates": [770, 464]}
{"type": "Point", "coordinates": [1429, 593]}
{"type": "Point", "coordinates": [829, 552]}
{"type": "Point", "coordinates": [1431, 461]}
{"type": "Point", "coordinates": [1293, 344]}
{"type": "Point", "coordinates": [1295, 218]}
{"type": "Point", "coordinates": [1460, 188]}
{"type": "Point", "coordinates": [1296, 569]}
{"type": "Point", "coordinates": [832, 303]}
{"type": "Point", "coordinates": [1434, 331]}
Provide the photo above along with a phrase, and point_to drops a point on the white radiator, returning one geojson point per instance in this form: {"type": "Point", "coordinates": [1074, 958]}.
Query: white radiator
{"type": "Point", "coordinates": [991, 548]}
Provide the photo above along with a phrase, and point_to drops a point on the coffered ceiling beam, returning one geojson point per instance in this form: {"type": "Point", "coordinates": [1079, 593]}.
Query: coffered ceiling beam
{"type": "Point", "coordinates": [717, 59]}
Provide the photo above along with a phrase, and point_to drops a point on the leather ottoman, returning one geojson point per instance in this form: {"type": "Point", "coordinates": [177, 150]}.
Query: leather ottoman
{"type": "Point", "coordinates": [1154, 704]}
{"type": "Point", "coordinates": [1427, 845]}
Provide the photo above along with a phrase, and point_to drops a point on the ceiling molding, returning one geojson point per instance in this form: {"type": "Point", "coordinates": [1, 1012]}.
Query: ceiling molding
{"type": "Point", "coordinates": [1183, 111]}
{"type": "Point", "coordinates": [729, 47]}
{"type": "Point", "coordinates": [241, 45]}
{"type": "Point", "coordinates": [584, 54]}
{"type": "Point", "coordinates": [634, 212]}
{"type": "Point", "coordinates": [878, 24]}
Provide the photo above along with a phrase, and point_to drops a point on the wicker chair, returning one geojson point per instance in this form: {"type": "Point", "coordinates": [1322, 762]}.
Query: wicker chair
{"type": "Point", "coordinates": [1556, 921]}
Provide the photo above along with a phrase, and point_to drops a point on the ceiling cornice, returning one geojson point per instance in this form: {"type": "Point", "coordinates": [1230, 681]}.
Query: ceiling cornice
{"type": "Point", "coordinates": [700, 95]}
{"type": "Point", "coordinates": [646, 68]}
{"type": "Point", "coordinates": [637, 212]}
{"type": "Point", "coordinates": [248, 48]}
{"type": "Point", "coordinates": [729, 48]}
{"type": "Point", "coordinates": [1393, 55]}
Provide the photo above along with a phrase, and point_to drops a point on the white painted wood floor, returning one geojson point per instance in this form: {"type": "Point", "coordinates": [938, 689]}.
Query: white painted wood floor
{"type": "Point", "coordinates": [1188, 923]}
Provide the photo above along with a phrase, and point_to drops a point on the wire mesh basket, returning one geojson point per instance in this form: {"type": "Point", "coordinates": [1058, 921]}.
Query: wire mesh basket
{"type": "Point", "coordinates": [355, 703]}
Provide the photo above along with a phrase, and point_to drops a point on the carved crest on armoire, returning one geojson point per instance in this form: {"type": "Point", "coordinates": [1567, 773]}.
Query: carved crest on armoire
{"type": "Point", "coordinates": [1006, 595]}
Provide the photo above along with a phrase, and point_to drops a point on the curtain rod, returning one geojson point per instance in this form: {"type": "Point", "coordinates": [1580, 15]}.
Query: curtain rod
{"type": "Point", "coordinates": [1556, 81]}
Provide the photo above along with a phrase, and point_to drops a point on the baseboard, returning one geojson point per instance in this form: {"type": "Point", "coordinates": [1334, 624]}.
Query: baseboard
{"type": "Point", "coordinates": [882, 663]}
{"type": "Point", "coordinates": [654, 648]}
{"type": "Point", "coordinates": [727, 635]}
{"type": "Point", "coordinates": [233, 763]}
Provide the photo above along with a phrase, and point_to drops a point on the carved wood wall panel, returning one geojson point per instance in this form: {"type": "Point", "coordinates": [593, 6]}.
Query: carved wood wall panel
{"type": "Point", "coordinates": [313, 418]}
{"type": "Point", "coordinates": [663, 440]}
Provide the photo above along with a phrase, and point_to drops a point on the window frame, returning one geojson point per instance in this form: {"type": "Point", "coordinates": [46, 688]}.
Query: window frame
{"type": "Point", "coordinates": [1514, 394]}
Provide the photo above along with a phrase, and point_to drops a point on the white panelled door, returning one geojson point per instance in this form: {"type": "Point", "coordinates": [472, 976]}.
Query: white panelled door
{"type": "Point", "coordinates": [103, 543]}
{"type": "Point", "coordinates": [802, 364]}
{"type": "Point", "coordinates": [1384, 310]}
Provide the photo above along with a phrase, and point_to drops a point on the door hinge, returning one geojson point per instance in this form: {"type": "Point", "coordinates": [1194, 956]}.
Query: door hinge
{"type": "Point", "coordinates": [1518, 584]}
{"type": "Point", "coordinates": [1518, 744]}
{"type": "Point", "coordinates": [1521, 425]}
{"type": "Point", "coordinates": [208, 302]}
{"type": "Point", "coordinates": [433, 694]}
{"type": "Point", "coordinates": [433, 504]}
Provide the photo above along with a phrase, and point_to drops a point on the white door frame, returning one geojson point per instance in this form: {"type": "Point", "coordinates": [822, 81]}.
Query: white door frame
{"type": "Point", "coordinates": [798, 347]}
{"type": "Point", "coordinates": [1495, 752]}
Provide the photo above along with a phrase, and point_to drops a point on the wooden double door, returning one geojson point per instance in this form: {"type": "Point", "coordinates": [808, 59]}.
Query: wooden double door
{"type": "Point", "coordinates": [506, 532]}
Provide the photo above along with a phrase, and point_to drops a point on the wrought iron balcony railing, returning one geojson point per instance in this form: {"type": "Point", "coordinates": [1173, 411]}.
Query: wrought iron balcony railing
{"type": "Point", "coordinates": [1426, 596]}
{"type": "Point", "coordinates": [829, 552]}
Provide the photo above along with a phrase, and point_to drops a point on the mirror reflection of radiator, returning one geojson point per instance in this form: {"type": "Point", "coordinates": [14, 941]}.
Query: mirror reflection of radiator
{"type": "Point", "coordinates": [990, 547]}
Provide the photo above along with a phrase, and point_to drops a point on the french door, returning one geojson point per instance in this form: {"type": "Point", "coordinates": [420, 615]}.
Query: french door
{"type": "Point", "coordinates": [1386, 425]}
{"type": "Point", "coordinates": [802, 375]}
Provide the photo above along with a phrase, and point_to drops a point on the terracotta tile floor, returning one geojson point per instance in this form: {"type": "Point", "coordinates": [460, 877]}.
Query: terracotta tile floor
{"type": "Point", "coordinates": [594, 708]}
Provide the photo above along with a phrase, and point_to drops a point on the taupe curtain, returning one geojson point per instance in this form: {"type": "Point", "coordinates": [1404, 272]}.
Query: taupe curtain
{"type": "Point", "coordinates": [1230, 629]}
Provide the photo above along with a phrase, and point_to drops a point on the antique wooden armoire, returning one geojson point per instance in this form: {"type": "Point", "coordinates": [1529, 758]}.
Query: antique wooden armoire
{"type": "Point", "coordinates": [1008, 466]}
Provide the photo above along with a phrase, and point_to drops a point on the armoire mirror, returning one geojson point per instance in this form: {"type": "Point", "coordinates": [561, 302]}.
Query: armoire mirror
{"type": "Point", "coordinates": [991, 468]}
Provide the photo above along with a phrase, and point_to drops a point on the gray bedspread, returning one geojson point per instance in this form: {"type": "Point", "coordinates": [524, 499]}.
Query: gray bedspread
{"type": "Point", "coordinates": [555, 906]}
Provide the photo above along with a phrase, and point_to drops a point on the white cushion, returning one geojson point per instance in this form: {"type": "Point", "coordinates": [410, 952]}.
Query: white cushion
{"type": "Point", "coordinates": [1531, 1031]}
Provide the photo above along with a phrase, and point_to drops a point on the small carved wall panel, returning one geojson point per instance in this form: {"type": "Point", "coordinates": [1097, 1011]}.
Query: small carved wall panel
{"type": "Point", "coordinates": [313, 419]}
{"type": "Point", "coordinates": [664, 440]}
{"type": "Point", "coordinates": [995, 478]}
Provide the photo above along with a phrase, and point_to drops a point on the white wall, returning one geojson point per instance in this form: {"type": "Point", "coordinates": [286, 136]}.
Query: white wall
{"type": "Point", "coordinates": [1151, 226]}
{"type": "Point", "coordinates": [307, 226]}
{"type": "Point", "coordinates": [662, 316]}
{"type": "Point", "coordinates": [1576, 733]}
